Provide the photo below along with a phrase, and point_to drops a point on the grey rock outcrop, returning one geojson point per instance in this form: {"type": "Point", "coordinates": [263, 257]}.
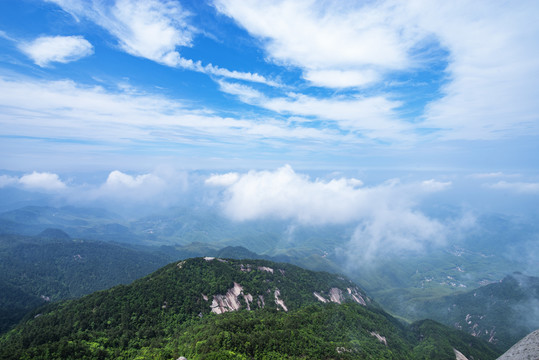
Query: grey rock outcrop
{"type": "Point", "coordinates": [525, 349]}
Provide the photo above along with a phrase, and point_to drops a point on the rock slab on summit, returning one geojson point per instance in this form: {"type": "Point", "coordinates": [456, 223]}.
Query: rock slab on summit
{"type": "Point", "coordinates": [525, 349]}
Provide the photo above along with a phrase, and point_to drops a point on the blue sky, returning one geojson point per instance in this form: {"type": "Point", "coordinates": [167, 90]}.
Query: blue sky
{"type": "Point", "coordinates": [129, 84]}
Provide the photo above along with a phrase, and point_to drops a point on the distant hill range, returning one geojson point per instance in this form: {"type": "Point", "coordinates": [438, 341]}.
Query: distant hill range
{"type": "Point", "coordinates": [213, 308]}
{"type": "Point", "coordinates": [501, 313]}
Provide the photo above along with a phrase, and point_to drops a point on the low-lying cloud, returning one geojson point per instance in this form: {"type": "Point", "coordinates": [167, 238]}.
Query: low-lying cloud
{"type": "Point", "coordinates": [386, 215]}
{"type": "Point", "coordinates": [121, 192]}
{"type": "Point", "coordinates": [36, 181]}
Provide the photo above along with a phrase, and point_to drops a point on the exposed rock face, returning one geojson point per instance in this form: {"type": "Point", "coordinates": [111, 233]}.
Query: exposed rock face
{"type": "Point", "coordinates": [380, 338]}
{"type": "Point", "coordinates": [231, 301]}
{"type": "Point", "coordinates": [265, 268]}
{"type": "Point", "coordinates": [279, 301]}
{"type": "Point", "coordinates": [459, 355]}
{"type": "Point", "coordinates": [356, 296]}
{"type": "Point", "coordinates": [228, 302]}
{"type": "Point", "coordinates": [336, 295]}
{"type": "Point", "coordinates": [320, 297]}
{"type": "Point", "coordinates": [525, 349]}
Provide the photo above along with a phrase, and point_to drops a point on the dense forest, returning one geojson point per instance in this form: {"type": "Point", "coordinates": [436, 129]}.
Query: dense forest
{"type": "Point", "coordinates": [294, 313]}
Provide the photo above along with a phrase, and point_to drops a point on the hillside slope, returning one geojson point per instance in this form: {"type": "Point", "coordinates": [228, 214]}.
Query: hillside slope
{"type": "Point", "coordinates": [211, 308]}
{"type": "Point", "coordinates": [50, 267]}
{"type": "Point", "coordinates": [501, 313]}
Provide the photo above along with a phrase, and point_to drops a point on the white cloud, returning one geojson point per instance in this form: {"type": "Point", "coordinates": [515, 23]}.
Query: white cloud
{"type": "Point", "coordinates": [493, 175]}
{"type": "Point", "coordinates": [62, 49]}
{"type": "Point", "coordinates": [492, 67]}
{"type": "Point", "coordinates": [375, 117]}
{"type": "Point", "coordinates": [518, 187]}
{"type": "Point", "coordinates": [122, 192]}
{"type": "Point", "coordinates": [151, 29]}
{"type": "Point", "coordinates": [385, 215]}
{"type": "Point", "coordinates": [433, 185]}
{"type": "Point", "coordinates": [42, 181]}
{"type": "Point", "coordinates": [223, 179]}
{"type": "Point", "coordinates": [341, 78]}
{"type": "Point", "coordinates": [93, 115]}
{"type": "Point", "coordinates": [487, 175]}
{"type": "Point", "coordinates": [210, 69]}
{"type": "Point", "coordinates": [490, 49]}
{"type": "Point", "coordinates": [328, 38]}
{"type": "Point", "coordinates": [118, 179]}
{"type": "Point", "coordinates": [147, 28]}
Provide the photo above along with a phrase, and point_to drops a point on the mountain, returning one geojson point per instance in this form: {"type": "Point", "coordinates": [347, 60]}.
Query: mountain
{"type": "Point", "coordinates": [500, 313]}
{"type": "Point", "coordinates": [86, 223]}
{"type": "Point", "coordinates": [213, 308]}
{"type": "Point", "coordinates": [38, 269]}
{"type": "Point", "coordinates": [525, 349]}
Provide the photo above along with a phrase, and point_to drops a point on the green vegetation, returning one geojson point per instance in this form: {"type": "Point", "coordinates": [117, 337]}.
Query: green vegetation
{"type": "Point", "coordinates": [501, 313]}
{"type": "Point", "coordinates": [51, 267]}
{"type": "Point", "coordinates": [166, 315]}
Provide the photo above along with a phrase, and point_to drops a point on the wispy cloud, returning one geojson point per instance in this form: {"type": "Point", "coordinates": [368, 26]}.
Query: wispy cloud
{"type": "Point", "coordinates": [373, 117]}
{"type": "Point", "coordinates": [67, 111]}
{"type": "Point", "coordinates": [492, 175]}
{"type": "Point", "coordinates": [151, 29]}
{"type": "Point", "coordinates": [487, 51]}
{"type": "Point", "coordinates": [63, 49]}
{"type": "Point", "coordinates": [518, 187]}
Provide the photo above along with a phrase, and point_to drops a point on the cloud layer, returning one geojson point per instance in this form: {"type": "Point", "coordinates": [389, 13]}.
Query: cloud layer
{"type": "Point", "coordinates": [386, 217]}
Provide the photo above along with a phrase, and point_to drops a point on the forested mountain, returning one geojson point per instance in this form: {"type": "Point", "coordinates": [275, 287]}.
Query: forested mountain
{"type": "Point", "coordinates": [501, 313]}
{"type": "Point", "coordinates": [38, 269]}
{"type": "Point", "coordinates": [212, 308]}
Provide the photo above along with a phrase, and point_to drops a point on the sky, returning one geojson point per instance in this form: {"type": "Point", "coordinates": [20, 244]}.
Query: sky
{"type": "Point", "coordinates": [129, 84]}
{"type": "Point", "coordinates": [325, 112]}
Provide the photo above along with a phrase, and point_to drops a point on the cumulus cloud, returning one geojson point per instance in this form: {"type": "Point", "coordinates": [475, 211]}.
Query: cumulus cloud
{"type": "Point", "coordinates": [144, 188]}
{"type": "Point", "coordinates": [223, 179]}
{"type": "Point", "coordinates": [386, 217]}
{"type": "Point", "coordinates": [121, 192]}
{"type": "Point", "coordinates": [42, 181]}
{"type": "Point", "coordinates": [63, 49]}
{"type": "Point", "coordinates": [517, 187]}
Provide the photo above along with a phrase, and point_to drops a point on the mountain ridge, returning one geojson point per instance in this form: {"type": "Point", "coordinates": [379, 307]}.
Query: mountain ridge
{"type": "Point", "coordinates": [206, 308]}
